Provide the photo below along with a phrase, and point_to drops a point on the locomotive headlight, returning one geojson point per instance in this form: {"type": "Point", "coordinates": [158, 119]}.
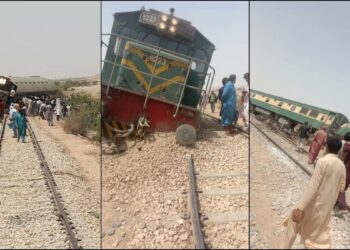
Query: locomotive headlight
{"type": "Point", "coordinates": [174, 21]}
{"type": "Point", "coordinates": [162, 25]}
{"type": "Point", "coordinates": [172, 29]}
{"type": "Point", "coordinates": [165, 18]}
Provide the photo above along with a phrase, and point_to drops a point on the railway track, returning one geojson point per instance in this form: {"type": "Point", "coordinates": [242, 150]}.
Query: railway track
{"type": "Point", "coordinates": [307, 170]}
{"type": "Point", "coordinates": [203, 217]}
{"type": "Point", "coordinates": [289, 140]}
{"type": "Point", "coordinates": [245, 132]}
{"type": "Point", "coordinates": [38, 217]}
{"type": "Point", "coordinates": [51, 184]}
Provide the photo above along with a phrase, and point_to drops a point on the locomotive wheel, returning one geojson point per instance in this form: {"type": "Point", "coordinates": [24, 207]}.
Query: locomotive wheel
{"type": "Point", "coordinates": [186, 134]}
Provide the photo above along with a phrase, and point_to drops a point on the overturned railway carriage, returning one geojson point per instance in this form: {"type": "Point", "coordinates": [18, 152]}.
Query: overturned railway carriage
{"type": "Point", "coordinates": [156, 69]}
{"type": "Point", "coordinates": [25, 86]}
{"type": "Point", "coordinates": [28, 86]}
{"type": "Point", "coordinates": [295, 112]}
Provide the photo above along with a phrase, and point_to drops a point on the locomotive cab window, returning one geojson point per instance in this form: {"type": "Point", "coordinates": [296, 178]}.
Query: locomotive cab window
{"type": "Point", "coordinates": [304, 111]}
{"type": "Point", "coordinates": [152, 39]}
{"type": "Point", "coordinates": [196, 65]}
{"type": "Point", "coordinates": [171, 45]}
{"type": "Point", "coordinates": [141, 36]}
{"type": "Point", "coordinates": [182, 49]}
{"type": "Point", "coordinates": [120, 42]}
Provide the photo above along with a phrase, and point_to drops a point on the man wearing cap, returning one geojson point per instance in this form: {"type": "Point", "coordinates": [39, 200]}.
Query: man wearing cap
{"type": "Point", "coordinates": [228, 99]}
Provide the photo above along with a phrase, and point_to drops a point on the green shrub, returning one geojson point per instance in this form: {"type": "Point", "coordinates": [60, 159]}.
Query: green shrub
{"type": "Point", "coordinates": [85, 116]}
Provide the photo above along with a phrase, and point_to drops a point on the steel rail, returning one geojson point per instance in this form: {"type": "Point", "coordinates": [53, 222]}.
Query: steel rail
{"type": "Point", "coordinates": [2, 132]}
{"type": "Point", "coordinates": [284, 137]}
{"type": "Point", "coordinates": [193, 200]}
{"type": "Point", "coordinates": [217, 119]}
{"type": "Point", "coordinates": [62, 215]}
{"type": "Point", "coordinates": [307, 171]}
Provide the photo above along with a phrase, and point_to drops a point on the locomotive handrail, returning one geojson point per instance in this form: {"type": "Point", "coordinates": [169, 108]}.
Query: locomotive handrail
{"type": "Point", "coordinates": [148, 74]}
{"type": "Point", "coordinates": [150, 82]}
{"type": "Point", "coordinates": [183, 89]}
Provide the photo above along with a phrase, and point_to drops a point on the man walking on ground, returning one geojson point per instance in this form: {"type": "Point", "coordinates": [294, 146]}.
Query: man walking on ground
{"type": "Point", "coordinates": [311, 216]}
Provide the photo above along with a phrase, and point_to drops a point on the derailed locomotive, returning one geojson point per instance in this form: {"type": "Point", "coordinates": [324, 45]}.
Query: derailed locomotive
{"type": "Point", "coordinates": [155, 71]}
{"type": "Point", "coordinates": [290, 113]}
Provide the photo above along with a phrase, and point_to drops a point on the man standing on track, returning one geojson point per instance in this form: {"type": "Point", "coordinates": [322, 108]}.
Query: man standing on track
{"type": "Point", "coordinates": [228, 104]}
{"type": "Point", "coordinates": [311, 217]}
{"type": "Point", "coordinates": [318, 143]}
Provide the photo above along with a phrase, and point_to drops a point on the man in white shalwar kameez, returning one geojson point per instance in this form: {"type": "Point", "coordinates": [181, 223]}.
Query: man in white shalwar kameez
{"type": "Point", "coordinates": [311, 216]}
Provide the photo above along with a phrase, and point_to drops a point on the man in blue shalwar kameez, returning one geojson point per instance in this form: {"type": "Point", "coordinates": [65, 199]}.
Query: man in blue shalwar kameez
{"type": "Point", "coordinates": [228, 100]}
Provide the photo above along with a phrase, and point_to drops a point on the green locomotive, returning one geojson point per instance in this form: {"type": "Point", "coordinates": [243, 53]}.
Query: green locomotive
{"type": "Point", "coordinates": [156, 67]}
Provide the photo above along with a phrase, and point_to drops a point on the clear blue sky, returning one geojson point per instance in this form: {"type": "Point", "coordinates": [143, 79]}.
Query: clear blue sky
{"type": "Point", "coordinates": [225, 24]}
{"type": "Point", "coordinates": [50, 39]}
{"type": "Point", "coordinates": [301, 51]}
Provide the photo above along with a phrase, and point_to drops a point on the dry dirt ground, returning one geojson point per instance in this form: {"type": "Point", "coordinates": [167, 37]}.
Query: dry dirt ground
{"type": "Point", "coordinates": [94, 90]}
{"type": "Point", "coordinates": [276, 185]}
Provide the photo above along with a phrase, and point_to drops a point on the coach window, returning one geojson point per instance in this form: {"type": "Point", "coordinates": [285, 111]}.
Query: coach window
{"type": "Point", "coordinates": [314, 113]}
{"type": "Point", "coordinates": [304, 111]}
{"type": "Point", "coordinates": [322, 118]}
{"type": "Point", "coordinates": [267, 100]}
{"type": "Point", "coordinates": [293, 108]}
{"type": "Point", "coordinates": [280, 104]}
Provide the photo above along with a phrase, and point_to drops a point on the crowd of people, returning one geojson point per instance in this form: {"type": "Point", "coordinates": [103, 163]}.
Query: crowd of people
{"type": "Point", "coordinates": [228, 98]}
{"type": "Point", "coordinates": [45, 107]}
{"type": "Point", "coordinates": [325, 192]}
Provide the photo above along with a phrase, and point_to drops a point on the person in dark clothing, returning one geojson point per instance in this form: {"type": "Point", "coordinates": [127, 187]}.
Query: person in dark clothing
{"type": "Point", "coordinates": [304, 132]}
{"type": "Point", "coordinates": [212, 100]}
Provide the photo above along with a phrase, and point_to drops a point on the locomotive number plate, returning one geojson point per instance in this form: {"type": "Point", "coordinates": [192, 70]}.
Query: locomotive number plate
{"type": "Point", "coordinates": [153, 58]}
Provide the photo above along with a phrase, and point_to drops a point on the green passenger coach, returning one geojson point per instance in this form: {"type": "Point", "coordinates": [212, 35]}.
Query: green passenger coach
{"type": "Point", "coordinates": [296, 112]}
